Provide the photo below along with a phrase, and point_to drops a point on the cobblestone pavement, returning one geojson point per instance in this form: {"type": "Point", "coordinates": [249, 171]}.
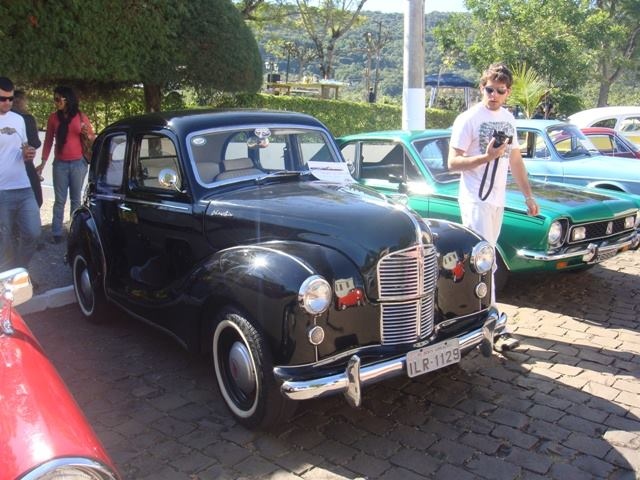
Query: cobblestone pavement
{"type": "Point", "coordinates": [565, 405]}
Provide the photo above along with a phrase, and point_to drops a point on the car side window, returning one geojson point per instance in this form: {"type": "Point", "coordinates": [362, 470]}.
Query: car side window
{"type": "Point", "coordinates": [532, 146]}
{"type": "Point", "coordinates": [386, 161]}
{"type": "Point", "coordinates": [604, 143]}
{"type": "Point", "coordinates": [630, 124]}
{"type": "Point", "coordinates": [607, 122]}
{"type": "Point", "coordinates": [111, 161]}
{"type": "Point", "coordinates": [155, 153]}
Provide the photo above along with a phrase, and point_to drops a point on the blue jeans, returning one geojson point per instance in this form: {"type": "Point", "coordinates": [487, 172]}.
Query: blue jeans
{"type": "Point", "coordinates": [66, 176]}
{"type": "Point", "coordinates": [19, 227]}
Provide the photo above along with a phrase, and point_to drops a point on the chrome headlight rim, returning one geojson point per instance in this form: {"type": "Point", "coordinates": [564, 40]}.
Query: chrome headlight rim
{"type": "Point", "coordinates": [483, 257]}
{"type": "Point", "coordinates": [555, 234]}
{"type": "Point", "coordinates": [314, 295]}
{"type": "Point", "coordinates": [92, 469]}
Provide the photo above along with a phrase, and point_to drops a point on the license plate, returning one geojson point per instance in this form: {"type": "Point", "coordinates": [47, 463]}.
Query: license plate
{"type": "Point", "coordinates": [433, 357]}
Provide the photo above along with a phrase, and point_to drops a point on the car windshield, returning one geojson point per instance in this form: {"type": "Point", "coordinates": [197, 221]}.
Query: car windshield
{"type": "Point", "coordinates": [570, 142]}
{"type": "Point", "coordinates": [221, 155]}
{"type": "Point", "coordinates": [434, 153]}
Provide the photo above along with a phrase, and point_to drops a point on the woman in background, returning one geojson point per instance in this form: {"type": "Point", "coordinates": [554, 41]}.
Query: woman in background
{"type": "Point", "coordinates": [67, 125]}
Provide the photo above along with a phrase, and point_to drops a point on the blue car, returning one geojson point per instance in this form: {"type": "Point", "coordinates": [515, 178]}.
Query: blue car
{"type": "Point", "coordinates": [556, 151]}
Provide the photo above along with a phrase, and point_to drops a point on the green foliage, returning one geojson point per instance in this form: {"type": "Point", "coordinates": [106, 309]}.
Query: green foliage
{"type": "Point", "coordinates": [341, 117]}
{"type": "Point", "coordinates": [527, 90]}
{"type": "Point", "coordinates": [166, 44]}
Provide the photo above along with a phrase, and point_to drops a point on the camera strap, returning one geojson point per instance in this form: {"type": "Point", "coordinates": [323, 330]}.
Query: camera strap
{"type": "Point", "coordinates": [484, 179]}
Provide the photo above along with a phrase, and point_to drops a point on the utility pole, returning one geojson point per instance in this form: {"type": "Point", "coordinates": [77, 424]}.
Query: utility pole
{"type": "Point", "coordinates": [413, 100]}
{"type": "Point", "coordinates": [379, 45]}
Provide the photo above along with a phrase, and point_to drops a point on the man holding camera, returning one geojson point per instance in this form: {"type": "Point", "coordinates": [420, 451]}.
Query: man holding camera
{"type": "Point", "coordinates": [481, 149]}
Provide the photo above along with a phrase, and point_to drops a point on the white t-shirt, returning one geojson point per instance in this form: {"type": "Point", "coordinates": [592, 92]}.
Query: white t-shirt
{"type": "Point", "coordinates": [13, 175]}
{"type": "Point", "coordinates": [471, 133]}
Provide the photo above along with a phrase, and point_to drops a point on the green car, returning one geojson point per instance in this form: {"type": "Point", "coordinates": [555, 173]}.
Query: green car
{"type": "Point", "coordinates": [576, 227]}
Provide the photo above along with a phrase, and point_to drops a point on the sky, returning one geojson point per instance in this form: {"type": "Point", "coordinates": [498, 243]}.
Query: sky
{"type": "Point", "coordinates": [398, 6]}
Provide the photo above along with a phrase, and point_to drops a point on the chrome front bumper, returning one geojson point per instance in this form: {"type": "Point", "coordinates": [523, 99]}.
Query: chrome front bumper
{"type": "Point", "coordinates": [588, 254]}
{"type": "Point", "coordinates": [356, 376]}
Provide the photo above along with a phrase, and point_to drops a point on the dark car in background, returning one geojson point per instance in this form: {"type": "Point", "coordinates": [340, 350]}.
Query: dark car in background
{"type": "Point", "coordinates": [43, 434]}
{"type": "Point", "coordinates": [242, 234]}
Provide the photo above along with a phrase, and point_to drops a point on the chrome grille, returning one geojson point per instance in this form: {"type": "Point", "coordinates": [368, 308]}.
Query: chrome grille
{"type": "Point", "coordinates": [407, 281]}
{"type": "Point", "coordinates": [598, 230]}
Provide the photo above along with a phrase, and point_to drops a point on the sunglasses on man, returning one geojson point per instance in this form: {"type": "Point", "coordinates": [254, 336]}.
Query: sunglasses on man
{"type": "Point", "coordinates": [499, 91]}
{"type": "Point", "coordinates": [6, 99]}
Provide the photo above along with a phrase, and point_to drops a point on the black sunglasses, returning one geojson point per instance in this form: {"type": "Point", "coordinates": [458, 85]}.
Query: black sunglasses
{"type": "Point", "coordinates": [6, 99]}
{"type": "Point", "coordinates": [499, 91]}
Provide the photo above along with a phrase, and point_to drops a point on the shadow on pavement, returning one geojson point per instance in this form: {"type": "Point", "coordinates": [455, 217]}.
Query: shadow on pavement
{"type": "Point", "coordinates": [558, 407]}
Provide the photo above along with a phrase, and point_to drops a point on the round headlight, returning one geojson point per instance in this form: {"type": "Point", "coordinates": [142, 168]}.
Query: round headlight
{"type": "Point", "coordinates": [555, 233]}
{"type": "Point", "coordinates": [315, 295]}
{"type": "Point", "coordinates": [482, 257]}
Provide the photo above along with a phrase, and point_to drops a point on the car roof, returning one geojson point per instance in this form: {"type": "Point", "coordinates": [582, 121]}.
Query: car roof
{"type": "Point", "coordinates": [607, 130]}
{"type": "Point", "coordinates": [193, 120]}
{"type": "Point", "coordinates": [407, 135]}
{"type": "Point", "coordinates": [537, 123]}
{"type": "Point", "coordinates": [599, 113]}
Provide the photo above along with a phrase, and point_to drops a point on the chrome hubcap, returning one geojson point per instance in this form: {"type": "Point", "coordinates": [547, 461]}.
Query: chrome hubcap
{"type": "Point", "coordinates": [241, 368]}
{"type": "Point", "coordinates": [85, 283]}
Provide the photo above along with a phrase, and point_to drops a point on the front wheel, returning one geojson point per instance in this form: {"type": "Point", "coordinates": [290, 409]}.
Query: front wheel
{"type": "Point", "coordinates": [87, 285]}
{"type": "Point", "coordinates": [244, 372]}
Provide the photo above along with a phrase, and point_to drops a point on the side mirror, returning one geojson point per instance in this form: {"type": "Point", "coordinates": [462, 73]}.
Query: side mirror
{"type": "Point", "coordinates": [168, 178]}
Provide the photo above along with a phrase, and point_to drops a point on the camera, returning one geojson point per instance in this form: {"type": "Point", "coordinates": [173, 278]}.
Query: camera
{"type": "Point", "coordinates": [501, 138]}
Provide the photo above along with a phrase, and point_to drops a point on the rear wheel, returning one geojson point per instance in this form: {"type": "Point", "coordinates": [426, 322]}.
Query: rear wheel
{"type": "Point", "coordinates": [244, 372]}
{"type": "Point", "coordinates": [88, 287]}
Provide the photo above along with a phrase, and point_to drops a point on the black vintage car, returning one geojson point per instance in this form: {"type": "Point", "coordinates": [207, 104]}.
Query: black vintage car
{"type": "Point", "coordinates": [242, 234]}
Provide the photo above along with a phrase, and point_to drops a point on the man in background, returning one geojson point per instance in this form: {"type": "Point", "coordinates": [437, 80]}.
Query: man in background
{"type": "Point", "coordinates": [21, 106]}
{"type": "Point", "coordinates": [19, 213]}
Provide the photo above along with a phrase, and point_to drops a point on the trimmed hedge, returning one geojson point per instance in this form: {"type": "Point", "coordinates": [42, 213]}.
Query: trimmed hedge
{"type": "Point", "coordinates": [341, 117]}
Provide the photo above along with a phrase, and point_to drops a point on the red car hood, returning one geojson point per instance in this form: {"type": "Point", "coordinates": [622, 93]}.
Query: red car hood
{"type": "Point", "coordinates": [39, 419]}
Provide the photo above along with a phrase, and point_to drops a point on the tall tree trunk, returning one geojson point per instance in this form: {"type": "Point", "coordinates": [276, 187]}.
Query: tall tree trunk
{"type": "Point", "coordinates": [152, 97]}
{"type": "Point", "coordinates": [603, 94]}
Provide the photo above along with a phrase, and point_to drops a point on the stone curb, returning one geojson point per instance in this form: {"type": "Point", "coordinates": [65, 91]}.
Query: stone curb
{"type": "Point", "coordinates": [54, 298]}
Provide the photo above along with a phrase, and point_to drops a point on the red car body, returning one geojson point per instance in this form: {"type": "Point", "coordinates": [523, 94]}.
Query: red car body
{"type": "Point", "coordinates": [42, 429]}
{"type": "Point", "coordinates": [611, 143]}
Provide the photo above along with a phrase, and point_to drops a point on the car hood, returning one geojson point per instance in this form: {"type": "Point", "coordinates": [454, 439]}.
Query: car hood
{"type": "Point", "coordinates": [603, 167]}
{"type": "Point", "coordinates": [561, 200]}
{"type": "Point", "coordinates": [581, 205]}
{"type": "Point", "coordinates": [345, 217]}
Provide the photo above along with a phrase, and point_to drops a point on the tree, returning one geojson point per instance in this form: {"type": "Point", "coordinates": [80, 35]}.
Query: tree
{"type": "Point", "coordinates": [527, 90]}
{"type": "Point", "coordinates": [616, 30]}
{"type": "Point", "coordinates": [326, 23]}
{"type": "Point", "coordinates": [106, 44]}
{"type": "Point", "coordinates": [570, 43]}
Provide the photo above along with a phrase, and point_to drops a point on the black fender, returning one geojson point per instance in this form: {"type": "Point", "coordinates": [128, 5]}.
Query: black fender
{"type": "Point", "coordinates": [264, 280]}
{"type": "Point", "coordinates": [83, 234]}
{"type": "Point", "coordinates": [456, 287]}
